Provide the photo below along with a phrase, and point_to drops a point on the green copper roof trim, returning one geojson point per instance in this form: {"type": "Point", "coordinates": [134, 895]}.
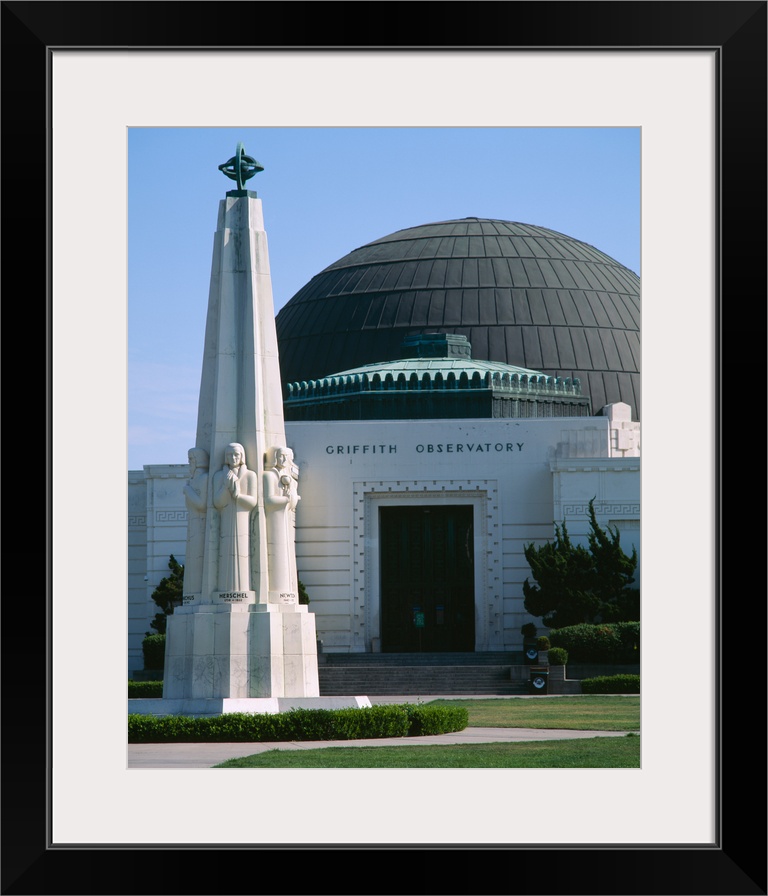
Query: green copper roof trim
{"type": "Point", "coordinates": [523, 383]}
{"type": "Point", "coordinates": [441, 365]}
{"type": "Point", "coordinates": [436, 345]}
{"type": "Point", "coordinates": [436, 379]}
{"type": "Point", "coordinates": [438, 353]}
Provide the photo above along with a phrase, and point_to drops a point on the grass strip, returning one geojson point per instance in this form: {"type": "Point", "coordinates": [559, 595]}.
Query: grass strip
{"type": "Point", "coordinates": [592, 752]}
{"type": "Point", "coordinates": [578, 712]}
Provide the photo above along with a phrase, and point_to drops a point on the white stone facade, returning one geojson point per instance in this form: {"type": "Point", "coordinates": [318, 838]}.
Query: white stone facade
{"type": "Point", "coordinates": [157, 528]}
{"type": "Point", "coordinates": [520, 477]}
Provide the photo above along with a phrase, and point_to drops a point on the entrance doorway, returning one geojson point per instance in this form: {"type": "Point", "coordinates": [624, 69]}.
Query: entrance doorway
{"type": "Point", "coordinates": [427, 579]}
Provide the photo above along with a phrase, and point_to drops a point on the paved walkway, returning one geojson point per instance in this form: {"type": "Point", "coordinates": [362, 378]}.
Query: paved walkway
{"type": "Point", "coordinates": [166, 756]}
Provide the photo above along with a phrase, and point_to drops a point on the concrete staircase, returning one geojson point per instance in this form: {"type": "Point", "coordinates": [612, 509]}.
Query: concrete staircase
{"type": "Point", "coordinates": [384, 674]}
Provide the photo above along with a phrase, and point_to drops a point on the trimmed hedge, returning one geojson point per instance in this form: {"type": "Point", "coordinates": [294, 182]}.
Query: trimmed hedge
{"type": "Point", "coordinates": [153, 647]}
{"type": "Point", "coordinates": [558, 656]}
{"type": "Point", "coordinates": [434, 719]}
{"type": "Point", "coordinates": [611, 684]}
{"type": "Point", "coordinates": [394, 720]}
{"type": "Point", "coordinates": [609, 642]}
{"type": "Point", "coordinates": [144, 689]}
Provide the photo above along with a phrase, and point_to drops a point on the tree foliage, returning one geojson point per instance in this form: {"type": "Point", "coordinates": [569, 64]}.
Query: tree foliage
{"type": "Point", "coordinates": [168, 595]}
{"type": "Point", "coordinates": [575, 584]}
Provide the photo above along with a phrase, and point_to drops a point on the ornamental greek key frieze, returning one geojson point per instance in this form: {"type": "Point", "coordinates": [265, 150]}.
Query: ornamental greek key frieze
{"type": "Point", "coordinates": [612, 509]}
{"type": "Point", "coordinates": [171, 516]}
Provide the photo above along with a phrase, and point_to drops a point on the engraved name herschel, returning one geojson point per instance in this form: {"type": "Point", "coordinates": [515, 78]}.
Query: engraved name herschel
{"type": "Point", "coordinates": [232, 596]}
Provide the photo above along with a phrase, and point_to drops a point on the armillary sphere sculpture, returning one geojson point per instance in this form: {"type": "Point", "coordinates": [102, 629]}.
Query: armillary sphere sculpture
{"type": "Point", "coordinates": [240, 167]}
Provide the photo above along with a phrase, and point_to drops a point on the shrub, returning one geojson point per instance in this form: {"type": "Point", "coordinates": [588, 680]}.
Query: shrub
{"type": "Point", "coordinates": [543, 642]}
{"type": "Point", "coordinates": [558, 656]}
{"type": "Point", "coordinates": [143, 689]}
{"type": "Point", "coordinates": [529, 631]}
{"type": "Point", "coordinates": [153, 647]}
{"type": "Point", "coordinates": [394, 720]}
{"type": "Point", "coordinates": [435, 719]}
{"type": "Point", "coordinates": [629, 635]}
{"type": "Point", "coordinates": [611, 684]}
{"type": "Point", "coordinates": [615, 642]}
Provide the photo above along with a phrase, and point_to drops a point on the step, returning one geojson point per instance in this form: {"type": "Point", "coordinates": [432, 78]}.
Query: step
{"type": "Point", "coordinates": [388, 679]}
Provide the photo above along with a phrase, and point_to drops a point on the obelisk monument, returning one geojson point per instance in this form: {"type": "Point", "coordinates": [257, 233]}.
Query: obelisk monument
{"type": "Point", "coordinates": [241, 634]}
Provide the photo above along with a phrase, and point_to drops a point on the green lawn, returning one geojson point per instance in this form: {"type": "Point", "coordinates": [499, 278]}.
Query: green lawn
{"type": "Point", "coordinates": [588, 712]}
{"type": "Point", "coordinates": [593, 752]}
{"type": "Point", "coordinates": [582, 713]}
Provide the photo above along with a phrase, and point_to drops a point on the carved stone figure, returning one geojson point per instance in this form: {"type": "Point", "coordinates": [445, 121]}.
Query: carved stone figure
{"type": "Point", "coordinates": [196, 499]}
{"type": "Point", "coordinates": [235, 495]}
{"type": "Point", "coordinates": [280, 500]}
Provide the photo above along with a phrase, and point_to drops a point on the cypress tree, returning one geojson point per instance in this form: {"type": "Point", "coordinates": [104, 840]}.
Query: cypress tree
{"type": "Point", "coordinates": [168, 595]}
{"type": "Point", "coordinates": [574, 584]}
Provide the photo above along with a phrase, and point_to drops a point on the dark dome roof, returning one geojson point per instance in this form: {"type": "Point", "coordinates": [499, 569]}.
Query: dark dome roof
{"type": "Point", "coordinates": [522, 295]}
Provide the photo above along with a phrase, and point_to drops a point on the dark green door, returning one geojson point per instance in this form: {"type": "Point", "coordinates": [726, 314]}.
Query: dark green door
{"type": "Point", "coordinates": [427, 579]}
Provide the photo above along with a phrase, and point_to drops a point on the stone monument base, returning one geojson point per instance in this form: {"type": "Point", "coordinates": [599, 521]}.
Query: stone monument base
{"type": "Point", "coordinates": [198, 707]}
{"type": "Point", "coordinates": [241, 651]}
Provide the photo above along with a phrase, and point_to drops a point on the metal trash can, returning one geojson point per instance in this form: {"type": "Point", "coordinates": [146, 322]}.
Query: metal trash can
{"type": "Point", "coordinates": [539, 681]}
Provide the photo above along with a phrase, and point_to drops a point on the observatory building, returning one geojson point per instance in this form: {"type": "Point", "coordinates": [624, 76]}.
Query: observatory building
{"type": "Point", "coordinates": [451, 392]}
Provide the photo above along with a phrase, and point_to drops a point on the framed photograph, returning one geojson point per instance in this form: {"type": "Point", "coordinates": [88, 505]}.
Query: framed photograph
{"type": "Point", "coordinates": [692, 77]}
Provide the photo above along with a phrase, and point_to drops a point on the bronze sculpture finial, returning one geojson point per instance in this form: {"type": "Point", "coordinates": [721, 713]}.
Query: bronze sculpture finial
{"type": "Point", "coordinates": [240, 167]}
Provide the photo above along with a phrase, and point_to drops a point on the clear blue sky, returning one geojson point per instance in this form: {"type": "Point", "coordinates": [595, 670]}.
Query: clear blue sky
{"type": "Point", "coordinates": [326, 191]}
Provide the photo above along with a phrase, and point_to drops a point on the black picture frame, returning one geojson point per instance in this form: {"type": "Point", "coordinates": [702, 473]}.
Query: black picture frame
{"type": "Point", "coordinates": [735, 864]}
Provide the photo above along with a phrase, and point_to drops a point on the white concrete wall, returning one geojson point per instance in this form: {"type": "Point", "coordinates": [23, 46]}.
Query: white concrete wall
{"type": "Point", "coordinates": [157, 528]}
{"type": "Point", "coordinates": [137, 568]}
{"type": "Point", "coordinates": [614, 483]}
{"type": "Point", "coordinates": [348, 469]}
